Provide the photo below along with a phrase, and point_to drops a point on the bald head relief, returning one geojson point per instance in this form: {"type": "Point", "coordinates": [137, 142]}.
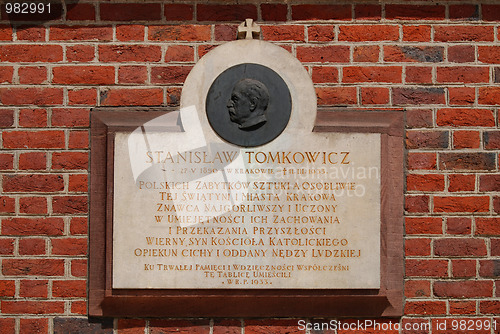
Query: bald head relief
{"type": "Point", "coordinates": [248, 103]}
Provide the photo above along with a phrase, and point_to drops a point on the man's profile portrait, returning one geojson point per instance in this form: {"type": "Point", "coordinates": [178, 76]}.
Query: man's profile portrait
{"type": "Point", "coordinates": [248, 103]}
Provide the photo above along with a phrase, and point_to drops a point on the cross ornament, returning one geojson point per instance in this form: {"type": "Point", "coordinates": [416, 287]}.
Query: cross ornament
{"type": "Point", "coordinates": [248, 30]}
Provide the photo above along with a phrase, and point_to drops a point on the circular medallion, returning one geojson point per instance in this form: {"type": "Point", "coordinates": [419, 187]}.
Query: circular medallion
{"type": "Point", "coordinates": [248, 105]}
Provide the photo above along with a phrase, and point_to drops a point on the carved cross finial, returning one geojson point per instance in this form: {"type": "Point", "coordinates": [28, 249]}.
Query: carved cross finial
{"type": "Point", "coordinates": [248, 30]}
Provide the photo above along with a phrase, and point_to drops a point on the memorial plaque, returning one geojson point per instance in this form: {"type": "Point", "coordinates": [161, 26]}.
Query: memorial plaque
{"type": "Point", "coordinates": [247, 197]}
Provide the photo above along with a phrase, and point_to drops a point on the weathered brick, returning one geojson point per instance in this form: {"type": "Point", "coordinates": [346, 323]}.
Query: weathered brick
{"type": "Point", "coordinates": [69, 289]}
{"type": "Point", "coordinates": [418, 247]}
{"type": "Point", "coordinates": [488, 226]}
{"type": "Point", "coordinates": [136, 96]}
{"type": "Point", "coordinates": [425, 182]}
{"type": "Point", "coordinates": [81, 33]}
{"type": "Point", "coordinates": [273, 12]}
{"type": "Point", "coordinates": [283, 33]}
{"type": "Point", "coordinates": [160, 326]}
{"type": "Point", "coordinates": [407, 53]}
{"type": "Point", "coordinates": [70, 117]}
{"type": "Point", "coordinates": [6, 246]}
{"type": "Point", "coordinates": [6, 161]}
{"type": "Point", "coordinates": [416, 204]}
{"type": "Point", "coordinates": [130, 11]}
{"type": "Point", "coordinates": [325, 74]}
{"type": "Point", "coordinates": [7, 204]}
{"type": "Point", "coordinates": [459, 247]}
{"type": "Point", "coordinates": [6, 118]}
{"type": "Point", "coordinates": [80, 53]}
{"type": "Point", "coordinates": [417, 288]}
{"type": "Point", "coordinates": [79, 268]}
{"type": "Point", "coordinates": [427, 139]}
{"type": "Point", "coordinates": [321, 12]}
{"type": "Point", "coordinates": [467, 161]}
{"type": "Point", "coordinates": [32, 226]}
{"type": "Point", "coordinates": [416, 33]}
{"type": "Point", "coordinates": [27, 96]}
{"type": "Point", "coordinates": [463, 289]}
{"type": "Point", "coordinates": [489, 307]}
{"type": "Point", "coordinates": [418, 96]}
{"type": "Point", "coordinates": [32, 307]}
{"type": "Point", "coordinates": [5, 33]}
{"type": "Point", "coordinates": [33, 267]}
{"type": "Point", "coordinates": [489, 95]}
{"type": "Point", "coordinates": [465, 117]}
{"type": "Point", "coordinates": [461, 53]}
{"type": "Point", "coordinates": [461, 95]}
{"type": "Point", "coordinates": [460, 182]}
{"type": "Point", "coordinates": [461, 204]}
{"type": "Point", "coordinates": [463, 33]}
{"type": "Point", "coordinates": [323, 54]}
{"type": "Point", "coordinates": [462, 307]}
{"type": "Point", "coordinates": [418, 74]}
{"type": "Point", "coordinates": [7, 288]}
{"type": "Point", "coordinates": [30, 33]}
{"type": "Point", "coordinates": [366, 53]}
{"type": "Point", "coordinates": [374, 95]}
{"type": "Point", "coordinates": [30, 53]}
{"type": "Point", "coordinates": [464, 12]}
{"type": "Point", "coordinates": [86, 96]}
{"type": "Point", "coordinates": [69, 246]}
{"type": "Point", "coordinates": [425, 307]}
{"type": "Point", "coordinates": [322, 33]}
{"type": "Point", "coordinates": [28, 75]}
{"type": "Point", "coordinates": [33, 161]}
{"type": "Point", "coordinates": [84, 75]}
{"type": "Point", "coordinates": [65, 325]}
{"type": "Point", "coordinates": [129, 53]}
{"type": "Point", "coordinates": [69, 204]}
{"type": "Point", "coordinates": [458, 225]}
{"type": "Point", "coordinates": [131, 326]}
{"type": "Point", "coordinates": [33, 205]}
{"type": "Point", "coordinates": [415, 12]}
{"type": "Point", "coordinates": [463, 74]}
{"type": "Point", "coordinates": [387, 74]}
{"type": "Point", "coordinates": [33, 183]}
{"type": "Point", "coordinates": [80, 12]}
{"type": "Point", "coordinates": [367, 12]}
{"type": "Point", "coordinates": [491, 140]}
{"type": "Point", "coordinates": [79, 307]}
{"type": "Point", "coordinates": [33, 118]}
{"type": "Point", "coordinates": [279, 326]}
{"type": "Point", "coordinates": [170, 74]}
{"type": "Point", "coordinates": [78, 225]}
{"type": "Point", "coordinates": [424, 225]}
{"type": "Point", "coordinates": [211, 12]}
{"type": "Point", "coordinates": [78, 139]}
{"type": "Point", "coordinates": [130, 32]}
{"type": "Point", "coordinates": [489, 268]}
{"type": "Point", "coordinates": [69, 160]}
{"type": "Point", "coordinates": [179, 53]}
{"type": "Point", "coordinates": [489, 182]}
{"type": "Point", "coordinates": [426, 268]}
{"type": "Point", "coordinates": [32, 246]}
{"type": "Point", "coordinates": [34, 325]}
{"type": "Point", "coordinates": [463, 268]}
{"type": "Point", "coordinates": [360, 33]}
{"type": "Point", "coordinates": [336, 95]}
{"type": "Point", "coordinates": [180, 33]}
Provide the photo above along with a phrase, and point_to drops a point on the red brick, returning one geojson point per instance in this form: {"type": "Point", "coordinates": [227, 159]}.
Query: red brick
{"type": "Point", "coordinates": [226, 326]}
{"type": "Point", "coordinates": [170, 74]}
{"type": "Point", "coordinates": [418, 247]}
{"type": "Point", "coordinates": [336, 95]}
{"type": "Point", "coordinates": [489, 182]}
{"type": "Point", "coordinates": [80, 53]}
{"type": "Point", "coordinates": [8, 325]}
{"type": "Point", "coordinates": [78, 139]}
{"type": "Point", "coordinates": [179, 53]}
{"type": "Point", "coordinates": [79, 268]}
{"type": "Point", "coordinates": [30, 53]}
{"type": "Point", "coordinates": [32, 307]}
{"type": "Point", "coordinates": [32, 75]}
{"type": "Point", "coordinates": [464, 12]}
{"type": "Point", "coordinates": [491, 12]}
{"type": "Point", "coordinates": [130, 11]}
{"type": "Point", "coordinates": [33, 183]}
{"type": "Point", "coordinates": [6, 246]}
{"type": "Point", "coordinates": [285, 326]}
{"type": "Point", "coordinates": [35, 325]}
{"type": "Point", "coordinates": [467, 161]}
{"type": "Point", "coordinates": [466, 139]}
{"type": "Point", "coordinates": [414, 12]}
{"type": "Point", "coordinates": [463, 289]}
{"type": "Point", "coordinates": [462, 95]}
{"type": "Point", "coordinates": [360, 33]}
{"type": "Point", "coordinates": [82, 96]}
{"type": "Point", "coordinates": [6, 161]}
{"type": "Point", "coordinates": [424, 225]}
{"type": "Point", "coordinates": [461, 204]}
{"type": "Point", "coordinates": [491, 140]}
{"type": "Point", "coordinates": [418, 74]}
{"type": "Point", "coordinates": [488, 226]}
{"type": "Point", "coordinates": [126, 53]}
{"type": "Point", "coordinates": [210, 12]}
{"type": "Point", "coordinates": [273, 12]}
{"type": "Point", "coordinates": [463, 268]}
{"type": "Point", "coordinates": [81, 33]}
{"type": "Point", "coordinates": [69, 289]}
{"type": "Point", "coordinates": [425, 182]}
{"type": "Point", "coordinates": [178, 12]}
{"type": "Point", "coordinates": [321, 12]}
{"type": "Point", "coordinates": [32, 246]}
{"type": "Point", "coordinates": [489, 268]}
{"type": "Point", "coordinates": [462, 307]}
{"type": "Point", "coordinates": [173, 96]}
{"type": "Point", "coordinates": [325, 74]}
{"type": "Point", "coordinates": [137, 96]}
{"type": "Point", "coordinates": [78, 183]}
{"type": "Point", "coordinates": [33, 161]}
{"type": "Point", "coordinates": [130, 32]}
{"type": "Point", "coordinates": [463, 74]}
{"type": "Point", "coordinates": [366, 53]}
{"type": "Point", "coordinates": [416, 204]}
{"type": "Point", "coordinates": [459, 247]}
{"type": "Point", "coordinates": [69, 204]}
{"type": "Point", "coordinates": [463, 33]}
{"type": "Point", "coordinates": [84, 75]}
{"type": "Point", "coordinates": [489, 54]}
{"type": "Point", "coordinates": [27, 96]}
{"type": "Point", "coordinates": [374, 95]}
{"type": "Point", "coordinates": [225, 32]}
{"type": "Point", "coordinates": [5, 33]}
{"type": "Point", "coordinates": [408, 53]}
{"type": "Point", "coordinates": [33, 288]}
{"type": "Point", "coordinates": [284, 33]}
{"type": "Point", "coordinates": [461, 53]}
{"type": "Point", "coordinates": [427, 139]}
{"type": "Point", "coordinates": [417, 288]}
{"type": "Point", "coordinates": [489, 307]}
{"type": "Point", "coordinates": [323, 54]}
{"type": "Point", "coordinates": [6, 118]}
{"type": "Point", "coordinates": [131, 326]}
{"type": "Point", "coordinates": [70, 117]}
{"type": "Point", "coordinates": [495, 248]}
{"type": "Point", "coordinates": [69, 160]}
{"type": "Point", "coordinates": [33, 205]}
{"type": "Point", "coordinates": [33, 118]}
{"type": "Point", "coordinates": [79, 307]}
{"type": "Point", "coordinates": [496, 204]}
{"type": "Point", "coordinates": [33, 226]}
{"type": "Point", "coordinates": [389, 74]}
{"type": "Point", "coordinates": [161, 326]}
{"type": "Point", "coordinates": [180, 33]}
{"type": "Point", "coordinates": [80, 12]}
{"type": "Point", "coordinates": [29, 33]}
{"type": "Point", "coordinates": [425, 307]}
{"type": "Point", "coordinates": [419, 33]}
{"type": "Point", "coordinates": [7, 204]}
{"type": "Point", "coordinates": [489, 95]}
{"type": "Point", "coordinates": [418, 96]}
{"type": "Point", "coordinates": [7, 288]}
{"type": "Point", "coordinates": [69, 246]}
{"type": "Point", "coordinates": [460, 182]}
{"type": "Point", "coordinates": [367, 12]}
{"type": "Point", "coordinates": [458, 225]}
{"type": "Point", "coordinates": [78, 225]}
{"type": "Point", "coordinates": [33, 267]}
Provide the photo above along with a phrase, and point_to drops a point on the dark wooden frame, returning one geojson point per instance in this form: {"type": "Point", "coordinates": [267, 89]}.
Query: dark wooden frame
{"type": "Point", "coordinates": [384, 302]}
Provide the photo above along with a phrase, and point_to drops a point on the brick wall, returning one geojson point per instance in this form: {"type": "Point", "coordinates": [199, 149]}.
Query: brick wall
{"type": "Point", "coordinates": [440, 63]}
